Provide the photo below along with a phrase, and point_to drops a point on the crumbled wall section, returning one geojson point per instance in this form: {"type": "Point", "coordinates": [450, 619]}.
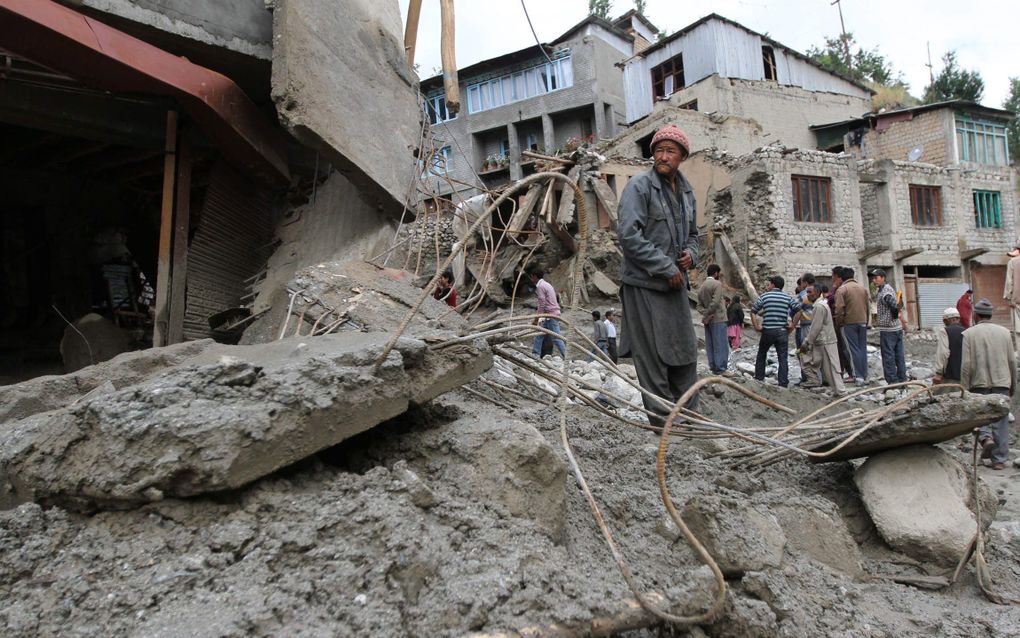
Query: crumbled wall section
{"type": "Point", "coordinates": [766, 234]}
{"type": "Point", "coordinates": [341, 84]}
{"type": "Point", "coordinates": [873, 235]}
{"type": "Point", "coordinates": [929, 130]}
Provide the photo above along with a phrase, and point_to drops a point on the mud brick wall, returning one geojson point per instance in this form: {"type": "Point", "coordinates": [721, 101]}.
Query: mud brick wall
{"type": "Point", "coordinates": [932, 130]}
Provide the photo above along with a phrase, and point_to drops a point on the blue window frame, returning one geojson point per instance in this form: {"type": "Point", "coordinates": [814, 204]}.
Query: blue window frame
{"type": "Point", "coordinates": [439, 164]}
{"type": "Point", "coordinates": [435, 108]}
{"type": "Point", "coordinates": [987, 209]}
{"type": "Point", "coordinates": [981, 141]}
{"type": "Point", "coordinates": [521, 85]}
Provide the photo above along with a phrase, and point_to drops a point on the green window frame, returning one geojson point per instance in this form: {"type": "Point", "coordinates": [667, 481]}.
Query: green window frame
{"type": "Point", "coordinates": [987, 209]}
{"type": "Point", "coordinates": [981, 141]}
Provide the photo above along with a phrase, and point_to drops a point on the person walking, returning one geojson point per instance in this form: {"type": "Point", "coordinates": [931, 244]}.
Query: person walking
{"type": "Point", "coordinates": [1011, 292]}
{"type": "Point", "coordinates": [599, 335]}
{"type": "Point", "coordinates": [775, 307]}
{"type": "Point", "coordinates": [949, 351]}
{"type": "Point", "coordinates": [659, 240]}
{"type": "Point", "coordinates": [713, 318]}
{"type": "Point", "coordinates": [818, 348]}
{"type": "Point", "coordinates": [735, 322]}
{"type": "Point", "coordinates": [965, 306]}
{"type": "Point", "coordinates": [890, 329]}
{"type": "Point", "coordinates": [988, 366]}
{"type": "Point", "coordinates": [852, 311]}
{"type": "Point", "coordinates": [610, 323]}
{"type": "Point", "coordinates": [547, 305]}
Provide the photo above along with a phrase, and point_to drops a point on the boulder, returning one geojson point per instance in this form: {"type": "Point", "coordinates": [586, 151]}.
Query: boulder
{"type": "Point", "coordinates": [620, 388]}
{"type": "Point", "coordinates": [921, 500]}
{"type": "Point", "coordinates": [92, 339]}
{"type": "Point", "coordinates": [938, 419]}
{"type": "Point", "coordinates": [815, 528]}
{"type": "Point", "coordinates": [222, 419]}
{"type": "Point", "coordinates": [740, 536]}
{"type": "Point", "coordinates": [921, 373]}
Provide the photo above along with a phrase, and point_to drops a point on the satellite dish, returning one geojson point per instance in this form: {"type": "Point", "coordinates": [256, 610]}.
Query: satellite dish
{"type": "Point", "coordinates": [915, 153]}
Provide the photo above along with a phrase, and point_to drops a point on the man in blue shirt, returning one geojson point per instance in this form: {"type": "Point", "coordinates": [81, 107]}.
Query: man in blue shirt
{"type": "Point", "coordinates": [775, 307]}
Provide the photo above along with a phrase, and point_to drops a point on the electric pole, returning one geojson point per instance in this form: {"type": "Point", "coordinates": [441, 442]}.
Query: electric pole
{"type": "Point", "coordinates": [931, 74]}
{"type": "Point", "coordinates": [843, 35]}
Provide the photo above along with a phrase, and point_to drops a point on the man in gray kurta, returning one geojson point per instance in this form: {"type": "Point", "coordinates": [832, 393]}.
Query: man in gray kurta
{"type": "Point", "coordinates": [659, 239]}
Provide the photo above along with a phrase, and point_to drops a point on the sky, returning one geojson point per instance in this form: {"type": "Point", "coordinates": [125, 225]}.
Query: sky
{"type": "Point", "coordinates": [984, 33]}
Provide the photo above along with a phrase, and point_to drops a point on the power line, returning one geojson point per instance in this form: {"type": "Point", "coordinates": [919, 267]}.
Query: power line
{"type": "Point", "coordinates": [535, 35]}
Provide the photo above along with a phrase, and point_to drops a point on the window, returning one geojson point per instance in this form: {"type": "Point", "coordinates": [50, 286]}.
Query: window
{"type": "Point", "coordinates": [531, 141]}
{"type": "Point", "coordinates": [438, 164]}
{"type": "Point", "coordinates": [521, 85]}
{"type": "Point", "coordinates": [435, 108]}
{"type": "Point", "coordinates": [925, 205]}
{"type": "Point", "coordinates": [768, 59]}
{"type": "Point", "coordinates": [668, 77]}
{"type": "Point", "coordinates": [504, 148]}
{"type": "Point", "coordinates": [812, 199]}
{"type": "Point", "coordinates": [981, 141]}
{"type": "Point", "coordinates": [987, 209]}
{"type": "Point", "coordinates": [690, 106]}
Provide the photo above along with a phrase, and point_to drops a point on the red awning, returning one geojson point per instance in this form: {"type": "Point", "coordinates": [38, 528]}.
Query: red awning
{"type": "Point", "coordinates": [102, 57]}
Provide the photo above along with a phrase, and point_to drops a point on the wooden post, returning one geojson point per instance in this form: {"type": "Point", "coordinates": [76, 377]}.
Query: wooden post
{"type": "Point", "coordinates": [739, 265]}
{"type": "Point", "coordinates": [160, 329]}
{"type": "Point", "coordinates": [411, 30]}
{"type": "Point", "coordinates": [448, 45]}
{"type": "Point", "coordinates": [182, 223]}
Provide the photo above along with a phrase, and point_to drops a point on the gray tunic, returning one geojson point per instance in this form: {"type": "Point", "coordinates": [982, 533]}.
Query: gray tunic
{"type": "Point", "coordinates": [655, 226]}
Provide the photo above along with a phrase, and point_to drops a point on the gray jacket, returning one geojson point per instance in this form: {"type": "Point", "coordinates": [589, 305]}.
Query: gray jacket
{"type": "Point", "coordinates": [649, 236]}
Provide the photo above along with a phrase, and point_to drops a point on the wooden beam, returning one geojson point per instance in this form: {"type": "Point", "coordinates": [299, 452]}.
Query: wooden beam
{"type": "Point", "coordinates": [449, 55]}
{"type": "Point", "coordinates": [182, 224]}
{"type": "Point", "coordinates": [411, 31]}
{"type": "Point", "coordinates": [166, 219]}
{"type": "Point", "coordinates": [900, 255]}
{"type": "Point", "coordinates": [871, 252]}
{"type": "Point", "coordinates": [967, 255]}
{"type": "Point", "coordinates": [744, 276]}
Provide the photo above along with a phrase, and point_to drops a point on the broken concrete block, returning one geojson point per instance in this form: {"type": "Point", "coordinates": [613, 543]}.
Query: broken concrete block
{"type": "Point", "coordinates": [815, 528]}
{"type": "Point", "coordinates": [222, 419]}
{"type": "Point", "coordinates": [940, 419]}
{"type": "Point", "coordinates": [741, 537]}
{"type": "Point", "coordinates": [919, 498]}
{"type": "Point", "coordinates": [604, 284]}
{"type": "Point", "coordinates": [93, 339]}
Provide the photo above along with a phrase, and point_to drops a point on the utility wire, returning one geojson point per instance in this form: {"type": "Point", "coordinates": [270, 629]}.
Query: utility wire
{"type": "Point", "coordinates": [535, 35]}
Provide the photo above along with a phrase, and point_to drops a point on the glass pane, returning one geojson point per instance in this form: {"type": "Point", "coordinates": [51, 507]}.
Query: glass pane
{"type": "Point", "coordinates": [483, 101]}
{"type": "Point", "coordinates": [567, 69]}
{"type": "Point", "coordinates": [668, 90]}
{"type": "Point", "coordinates": [825, 217]}
{"type": "Point", "coordinates": [960, 148]}
{"type": "Point", "coordinates": [805, 205]}
{"type": "Point", "coordinates": [1000, 151]}
{"type": "Point", "coordinates": [508, 89]}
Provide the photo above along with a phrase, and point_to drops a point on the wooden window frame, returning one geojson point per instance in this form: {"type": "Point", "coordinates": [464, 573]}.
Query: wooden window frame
{"type": "Point", "coordinates": [818, 198]}
{"type": "Point", "coordinates": [673, 67]}
{"type": "Point", "coordinates": [926, 205]}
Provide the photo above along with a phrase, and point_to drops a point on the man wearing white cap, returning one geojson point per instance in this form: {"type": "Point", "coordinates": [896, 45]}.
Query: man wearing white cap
{"type": "Point", "coordinates": [659, 239]}
{"type": "Point", "coordinates": [950, 347]}
{"type": "Point", "coordinates": [988, 366]}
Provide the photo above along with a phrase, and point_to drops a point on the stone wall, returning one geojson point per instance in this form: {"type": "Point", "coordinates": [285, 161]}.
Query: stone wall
{"type": "Point", "coordinates": [873, 235]}
{"type": "Point", "coordinates": [931, 130]}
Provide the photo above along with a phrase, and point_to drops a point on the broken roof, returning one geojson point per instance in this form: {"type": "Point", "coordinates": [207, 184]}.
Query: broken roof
{"type": "Point", "coordinates": [715, 16]}
{"type": "Point", "coordinates": [521, 55]}
{"type": "Point", "coordinates": [633, 13]}
{"type": "Point", "coordinates": [917, 110]}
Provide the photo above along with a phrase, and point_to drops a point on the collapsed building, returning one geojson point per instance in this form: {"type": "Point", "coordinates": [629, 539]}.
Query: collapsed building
{"type": "Point", "coordinates": [154, 152]}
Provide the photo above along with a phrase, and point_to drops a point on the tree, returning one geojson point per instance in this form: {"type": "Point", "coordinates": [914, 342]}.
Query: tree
{"type": "Point", "coordinates": [1012, 103]}
{"type": "Point", "coordinates": [862, 65]}
{"type": "Point", "coordinates": [954, 83]}
{"type": "Point", "coordinates": [639, 6]}
{"type": "Point", "coordinates": [599, 8]}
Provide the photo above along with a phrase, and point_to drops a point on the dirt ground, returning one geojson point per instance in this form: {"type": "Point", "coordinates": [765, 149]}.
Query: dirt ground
{"type": "Point", "coordinates": [461, 516]}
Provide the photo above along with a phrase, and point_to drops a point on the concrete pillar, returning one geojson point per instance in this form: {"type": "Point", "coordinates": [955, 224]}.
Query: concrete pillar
{"type": "Point", "coordinates": [548, 135]}
{"type": "Point", "coordinates": [600, 121]}
{"type": "Point", "coordinates": [515, 151]}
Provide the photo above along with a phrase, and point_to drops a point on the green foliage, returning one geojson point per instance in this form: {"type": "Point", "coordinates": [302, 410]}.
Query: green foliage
{"type": "Point", "coordinates": [863, 65]}
{"type": "Point", "coordinates": [600, 8]}
{"type": "Point", "coordinates": [639, 6]}
{"type": "Point", "coordinates": [1012, 103]}
{"type": "Point", "coordinates": [954, 83]}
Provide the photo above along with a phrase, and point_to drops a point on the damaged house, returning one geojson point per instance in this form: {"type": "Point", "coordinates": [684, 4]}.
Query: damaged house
{"type": "Point", "coordinates": [155, 154]}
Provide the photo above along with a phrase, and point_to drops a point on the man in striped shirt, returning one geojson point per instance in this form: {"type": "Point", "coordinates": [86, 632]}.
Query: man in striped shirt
{"type": "Point", "coordinates": [775, 307]}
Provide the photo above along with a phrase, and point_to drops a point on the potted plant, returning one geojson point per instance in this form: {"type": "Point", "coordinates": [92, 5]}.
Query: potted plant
{"type": "Point", "coordinates": [504, 161]}
{"type": "Point", "coordinates": [485, 164]}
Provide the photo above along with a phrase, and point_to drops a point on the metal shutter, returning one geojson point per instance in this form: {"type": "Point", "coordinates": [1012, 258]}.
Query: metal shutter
{"type": "Point", "coordinates": [936, 297]}
{"type": "Point", "coordinates": [231, 244]}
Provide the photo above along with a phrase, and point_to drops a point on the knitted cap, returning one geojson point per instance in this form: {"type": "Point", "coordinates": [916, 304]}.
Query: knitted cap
{"type": "Point", "coordinates": [984, 308]}
{"type": "Point", "coordinates": [674, 134]}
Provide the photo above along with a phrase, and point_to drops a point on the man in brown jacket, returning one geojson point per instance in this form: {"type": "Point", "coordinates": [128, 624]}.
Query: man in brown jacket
{"type": "Point", "coordinates": [852, 311]}
{"type": "Point", "coordinates": [1012, 292]}
{"type": "Point", "coordinates": [713, 317]}
{"type": "Point", "coordinates": [988, 366]}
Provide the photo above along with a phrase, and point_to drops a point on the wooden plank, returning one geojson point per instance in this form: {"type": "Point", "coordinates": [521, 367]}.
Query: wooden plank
{"type": "Point", "coordinates": [520, 218]}
{"type": "Point", "coordinates": [160, 329]}
{"type": "Point", "coordinates": [565, 214]}
{"type": "Point", "coordinates": [182, 225]}
{"type": "Point", "coordinates": [411, 31]}
{"type": "Point", "coordinates": [606, 197]}
{"type": "Point", "coordinates": [744, 277]}
{"type": "Point", "coordinates": [547, 203]}
{"type": "Point", "coordinates": [449, 56]}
